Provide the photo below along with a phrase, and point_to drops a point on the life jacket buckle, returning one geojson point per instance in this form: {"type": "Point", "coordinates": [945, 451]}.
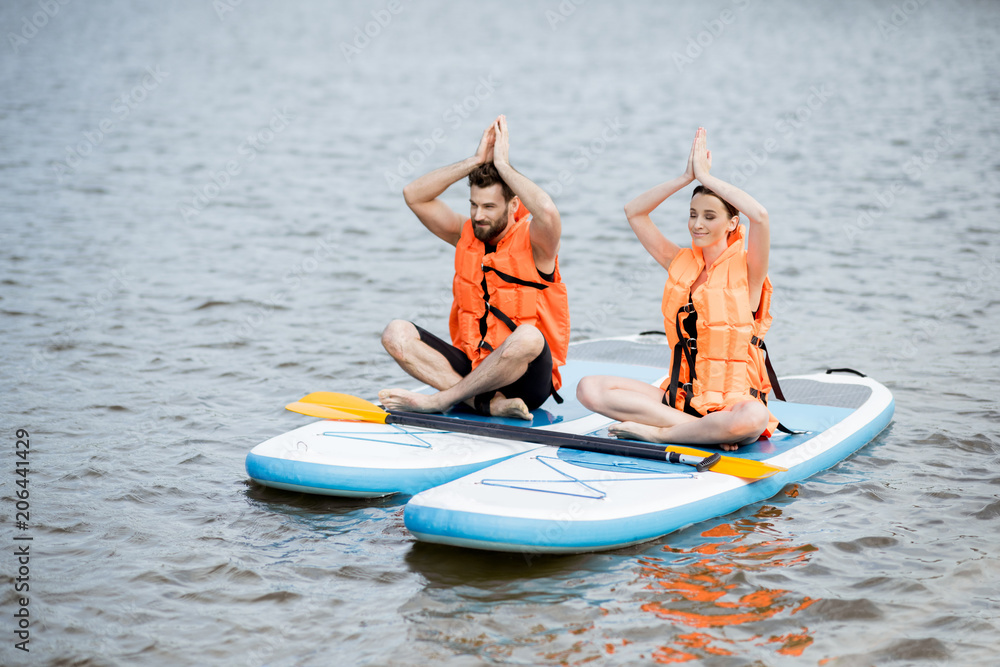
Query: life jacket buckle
{"type": "Point", "coordinates": [692, 344]}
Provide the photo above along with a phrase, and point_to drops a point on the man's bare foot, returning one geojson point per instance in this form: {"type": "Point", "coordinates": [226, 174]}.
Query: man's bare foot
{"type": "Point", "coordinates": [409, 401]}
{"type": "Point", "coordinates": [514, 408]}
{"type": "Point", "coordinates": [729, 447]}
{"type": "Point", "coordinates": [637, 431]}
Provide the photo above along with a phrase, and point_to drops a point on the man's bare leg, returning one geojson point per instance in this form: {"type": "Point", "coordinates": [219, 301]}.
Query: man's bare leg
{"type": "Point", "coordinates": [506, 364]}
{"type": "Point", "coordinates": [421, 361]}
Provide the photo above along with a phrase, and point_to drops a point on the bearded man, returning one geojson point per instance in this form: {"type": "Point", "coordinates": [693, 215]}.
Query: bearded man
{"type": "Point", "coordinates": [509, 319]}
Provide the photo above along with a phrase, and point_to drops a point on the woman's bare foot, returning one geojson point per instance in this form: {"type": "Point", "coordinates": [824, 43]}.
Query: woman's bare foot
{"type": "Point", "coordinates": [514, 408]}
{"type": "Point", "coordinates": [409, 401]}
{"type": "Point", "coordinates": [637, 431]}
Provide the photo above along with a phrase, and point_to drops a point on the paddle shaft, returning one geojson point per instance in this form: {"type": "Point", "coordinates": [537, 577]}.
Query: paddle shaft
{"type": "Point", "coordinates": [332, 405]}
{"type": "Point", "coordinates": [588, 443]}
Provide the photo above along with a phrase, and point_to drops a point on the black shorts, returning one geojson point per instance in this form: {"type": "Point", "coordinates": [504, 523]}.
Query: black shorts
{"type": "Point", "coordinates": [534, 387]}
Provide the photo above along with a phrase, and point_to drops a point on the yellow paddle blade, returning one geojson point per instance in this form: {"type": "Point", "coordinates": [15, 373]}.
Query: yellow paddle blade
{"type": "Point", "coordinates": [733, 465]}
{"type": "Point", "coordinates": [359, 407]}
{"type": "Point", "coordinates": [334, 398]}
{"type": "Point", "coordinates": [321, 411]}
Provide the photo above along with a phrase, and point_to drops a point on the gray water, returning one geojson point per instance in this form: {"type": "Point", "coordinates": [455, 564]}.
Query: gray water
{"type": "Point", "coordinates": [201, 220]}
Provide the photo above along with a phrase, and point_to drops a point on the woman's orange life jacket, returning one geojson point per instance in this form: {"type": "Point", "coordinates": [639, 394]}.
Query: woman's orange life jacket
{"type": "Point", "coordinates": [495, 293]}
{"type": "Point", "coordinates": [729, 363]}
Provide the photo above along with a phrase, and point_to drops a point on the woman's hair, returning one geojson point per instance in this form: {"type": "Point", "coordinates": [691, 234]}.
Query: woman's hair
{"type": "Point", "coordinates": [730, 209]}
{"type": "Point", "coordinates": [486, 175]}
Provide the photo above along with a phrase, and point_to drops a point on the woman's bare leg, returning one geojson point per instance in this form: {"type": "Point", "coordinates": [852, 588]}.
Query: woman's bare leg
{"type": "Point", "coordinates": [644, 416]}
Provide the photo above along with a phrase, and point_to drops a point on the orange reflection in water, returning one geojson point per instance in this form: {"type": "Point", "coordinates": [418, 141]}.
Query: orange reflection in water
{"type": "Point", "coordinates": [704, 591]}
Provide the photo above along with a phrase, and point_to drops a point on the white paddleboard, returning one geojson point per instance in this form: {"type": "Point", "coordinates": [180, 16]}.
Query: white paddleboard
{"type": "Point", "coordinates": [370, 460]}
{"type": "Point", "coordinates": [559, 500]}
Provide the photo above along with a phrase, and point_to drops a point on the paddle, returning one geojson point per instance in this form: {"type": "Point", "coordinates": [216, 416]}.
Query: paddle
{"type": "Point", "coordinates": [331, 405]}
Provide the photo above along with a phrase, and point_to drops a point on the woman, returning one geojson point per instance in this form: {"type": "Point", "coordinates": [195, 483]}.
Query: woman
{"type": "Point", "coordinates": [715, 309]}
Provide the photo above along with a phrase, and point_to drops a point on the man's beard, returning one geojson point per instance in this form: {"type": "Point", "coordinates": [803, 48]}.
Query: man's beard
{"type": "Point", "coordinates": [495, 228]}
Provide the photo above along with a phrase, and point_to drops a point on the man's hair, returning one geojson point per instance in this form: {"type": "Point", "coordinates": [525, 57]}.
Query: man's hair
{"type": "Point", "coordinates": [486, 175]}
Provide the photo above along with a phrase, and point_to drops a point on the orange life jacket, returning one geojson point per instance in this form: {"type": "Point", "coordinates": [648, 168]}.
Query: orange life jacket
{"type": "Point", "coordinates": [729, 362]}
{"type": "Point", "coordinates": [515, 294]}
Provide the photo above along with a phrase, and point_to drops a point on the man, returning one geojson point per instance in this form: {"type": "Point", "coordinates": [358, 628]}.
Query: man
{"type": "Point", "coordinates": [510, 316]}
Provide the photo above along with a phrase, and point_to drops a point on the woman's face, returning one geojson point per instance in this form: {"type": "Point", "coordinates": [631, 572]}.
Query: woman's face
{"type": "Point", "coordinates": [709, 222]}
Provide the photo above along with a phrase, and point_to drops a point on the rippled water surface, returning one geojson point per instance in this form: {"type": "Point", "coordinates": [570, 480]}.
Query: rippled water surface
{"type": "Point", "coordinates": [201, 220]}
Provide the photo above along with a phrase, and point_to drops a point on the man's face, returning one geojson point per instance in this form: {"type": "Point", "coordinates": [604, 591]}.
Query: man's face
{"type": "Point", "coordinates": [488, 212]}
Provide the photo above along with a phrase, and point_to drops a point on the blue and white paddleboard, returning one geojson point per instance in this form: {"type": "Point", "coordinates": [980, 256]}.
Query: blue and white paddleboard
{"type": "Point", "coordinates": [558, 500]}
{"type": "Point", "coordinates": [370, 460]}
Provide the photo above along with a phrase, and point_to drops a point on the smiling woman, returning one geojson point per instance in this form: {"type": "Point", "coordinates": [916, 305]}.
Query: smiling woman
{"type": "Point", "coordinates": [716, 312]}
{"type": "Point", "coordinates": [709, 210]}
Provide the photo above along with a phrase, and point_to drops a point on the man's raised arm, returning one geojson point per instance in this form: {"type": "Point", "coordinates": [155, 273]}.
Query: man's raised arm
{"type": "Point", "coordinates": [422, 194]}
{"type": "Point", "coordinates": [546, 227]}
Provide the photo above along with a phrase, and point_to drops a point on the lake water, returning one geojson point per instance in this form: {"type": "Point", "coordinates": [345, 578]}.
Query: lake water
{"type": "Point", "coordinates": [201, 220]}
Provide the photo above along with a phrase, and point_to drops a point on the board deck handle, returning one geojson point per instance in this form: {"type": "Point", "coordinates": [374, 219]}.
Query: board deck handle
{"type": "Point", "coordinates": [845, 370]}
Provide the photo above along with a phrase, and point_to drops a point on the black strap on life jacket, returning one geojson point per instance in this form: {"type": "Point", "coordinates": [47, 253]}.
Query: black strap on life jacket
{"type": "Point", "coordinates": [506, 277]}
{"type": "Point", "coordinates": [775, 387]}
{"type": "Point", "coordinates": [689, 348]}
{"type": "Point", "coordinates": [771, 375]}
{"type": "Point", "coordinates": [490, 309]}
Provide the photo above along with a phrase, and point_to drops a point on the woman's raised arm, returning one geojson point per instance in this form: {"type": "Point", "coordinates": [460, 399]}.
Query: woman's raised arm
{"type": "Point", "coordinates": [662, 249]}
{"type": "Point", "coordinates": [759, 238]}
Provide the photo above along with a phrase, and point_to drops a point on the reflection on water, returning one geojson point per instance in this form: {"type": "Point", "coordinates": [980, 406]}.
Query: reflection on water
{"type": "Point", "coordinates": [704, 588]}
{"type": "Point", "coordinates": [702, 594]}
